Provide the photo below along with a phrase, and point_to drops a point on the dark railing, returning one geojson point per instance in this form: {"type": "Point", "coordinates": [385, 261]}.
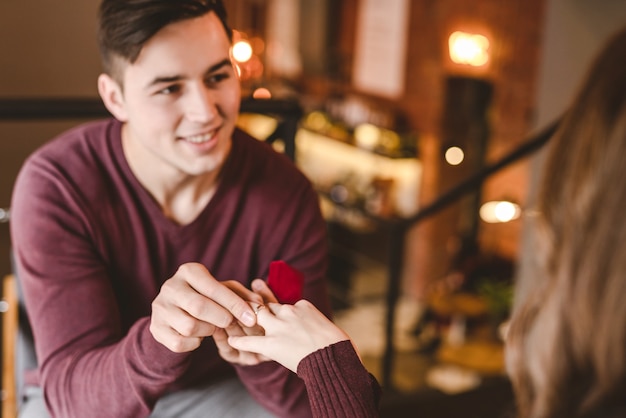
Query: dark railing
{"type": "Point", "coordinates": [289, 113]}
{"type": "Point", "coordinates": [88, 107]}
{"type": "Point", "coordinates": [51, 108]}
{"type": "Point", "coordinates": [398, 230]}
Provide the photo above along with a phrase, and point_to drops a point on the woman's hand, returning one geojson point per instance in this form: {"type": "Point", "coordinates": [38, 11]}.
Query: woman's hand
{"type": "Point", "coordinates": [292, 332]}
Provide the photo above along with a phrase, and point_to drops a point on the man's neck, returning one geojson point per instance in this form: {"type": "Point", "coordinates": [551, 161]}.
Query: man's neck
{"type": "Point", "coordinates": [181, 196]}
{"type": "Point", "coordinates": [184, 202]}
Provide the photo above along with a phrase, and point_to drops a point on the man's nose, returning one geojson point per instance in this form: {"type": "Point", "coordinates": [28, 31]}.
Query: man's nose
{"type": "Point", "coordinates": [200, 105]}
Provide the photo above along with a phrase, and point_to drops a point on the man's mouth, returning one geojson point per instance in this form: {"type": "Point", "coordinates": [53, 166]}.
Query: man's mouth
{"type": "Point", "coordinates": [199, 139]}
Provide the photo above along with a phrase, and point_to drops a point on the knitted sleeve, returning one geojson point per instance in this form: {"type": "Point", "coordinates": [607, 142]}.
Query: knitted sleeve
{"type": "Point", "coordinates": [338, 384]}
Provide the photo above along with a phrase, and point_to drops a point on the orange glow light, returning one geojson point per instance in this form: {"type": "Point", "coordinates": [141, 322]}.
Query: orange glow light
{"type": "Point", "coordinates": [469, 49]}
{"type": "Point", "coordinates": [242, 51]}
{"type": "Point", "coordinates": [262, 93]}
{"type": "Point", "coordinates": [499, 211]}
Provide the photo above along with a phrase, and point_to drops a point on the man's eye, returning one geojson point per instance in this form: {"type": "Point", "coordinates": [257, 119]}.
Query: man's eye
{"type": "Point", "coordinates": [169, 90]}
{"type": "Point", "coordinates": [216, 78]}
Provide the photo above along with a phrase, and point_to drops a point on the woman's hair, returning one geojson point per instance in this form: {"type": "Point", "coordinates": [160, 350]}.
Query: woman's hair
{"type": "Point", "coordinates": [126, 25]}
{"type": "Point", "coordinates": [566, 348]}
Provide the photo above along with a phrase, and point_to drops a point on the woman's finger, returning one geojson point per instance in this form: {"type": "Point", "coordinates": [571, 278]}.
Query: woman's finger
{"type": "Point", "coordinates": [251, 343]}
{"type": "Point", "coordinates": [266, 316]}
{"type": "Point", "coordinates": [274, 307]}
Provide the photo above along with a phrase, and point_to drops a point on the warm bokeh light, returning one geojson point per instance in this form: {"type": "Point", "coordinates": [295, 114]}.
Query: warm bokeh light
{"type": "Point", "coordinates": [262, 93]}
{"type": "Point", "coordinates": [242, 51]}
{"type": "Point", "coordinates": [318, 121]}
{"type": "Point", "coordinates": [367, 135]}
{"type": "Point", "coordinates": [467, 48]}
{"type": "Point", "coordinates": [258, 45]}
{"type": "Point", "coordinates": [4, 215]}
{"type": "Point", "coordinates": [237, 70]}
{"type": "Point", "coordinates": [454, 155]}
{"type": "Point", "coordinates": [499, 211]}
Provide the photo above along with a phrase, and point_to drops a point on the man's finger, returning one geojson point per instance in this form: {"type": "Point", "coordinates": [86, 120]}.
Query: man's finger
{"type": "Point", "coordinates": [242, 291]}
{"type": "Point", "coordinates": [260, 287]}
{"type": "Point", "coordinates": [174, 341]}
{"type": "Point", "coordinates": [204, 283]}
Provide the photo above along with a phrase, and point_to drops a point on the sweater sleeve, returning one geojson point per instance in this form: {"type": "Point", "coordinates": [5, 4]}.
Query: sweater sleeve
{"type": "Point", "coordinates": [338, 384]}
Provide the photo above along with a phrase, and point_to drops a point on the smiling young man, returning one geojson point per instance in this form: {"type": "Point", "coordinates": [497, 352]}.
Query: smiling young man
{"type": "Point", "coordinates": [137, 237]}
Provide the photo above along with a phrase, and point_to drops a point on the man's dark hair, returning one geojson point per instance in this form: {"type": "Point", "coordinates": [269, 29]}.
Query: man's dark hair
{"type": "Point", "coordinates": [126, 25]}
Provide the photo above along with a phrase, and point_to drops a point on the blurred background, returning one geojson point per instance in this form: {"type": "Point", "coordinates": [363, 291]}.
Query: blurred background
{"type": "Point", "coordinates": [391, 104]}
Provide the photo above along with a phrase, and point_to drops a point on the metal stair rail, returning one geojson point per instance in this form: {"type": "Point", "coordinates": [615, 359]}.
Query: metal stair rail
{"type": "Point", "coordinates": [398, 229]}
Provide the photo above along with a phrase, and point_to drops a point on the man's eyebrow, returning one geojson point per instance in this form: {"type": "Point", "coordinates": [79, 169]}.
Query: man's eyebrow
{"type": "Point", "coordinates": [174, 78]}
{"type": "Point", "coordinates": [223, 63]}
{"type": "Point", "coordinates": [163, 80]}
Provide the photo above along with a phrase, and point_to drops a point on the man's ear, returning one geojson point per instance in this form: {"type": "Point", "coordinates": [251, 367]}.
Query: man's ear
{"type": "Point", "coordinates": [112, 96]}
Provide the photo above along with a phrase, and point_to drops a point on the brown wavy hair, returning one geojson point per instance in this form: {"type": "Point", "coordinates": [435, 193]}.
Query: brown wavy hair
{"type": "Point", "coordinates": [566, 347]}
{"type": "Point", "coordinates": [126, 25]}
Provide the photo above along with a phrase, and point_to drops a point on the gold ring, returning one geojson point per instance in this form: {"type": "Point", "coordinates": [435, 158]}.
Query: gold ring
{"type": "Point", "coordinates": [258, 308]}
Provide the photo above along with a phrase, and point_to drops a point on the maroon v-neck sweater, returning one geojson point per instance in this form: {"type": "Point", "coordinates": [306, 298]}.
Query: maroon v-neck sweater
{"type": "Point", "coordinates": [93, 249]}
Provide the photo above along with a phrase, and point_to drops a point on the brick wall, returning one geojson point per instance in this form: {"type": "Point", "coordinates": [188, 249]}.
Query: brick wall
{"type": "Point", "coordinates": [515, 31]}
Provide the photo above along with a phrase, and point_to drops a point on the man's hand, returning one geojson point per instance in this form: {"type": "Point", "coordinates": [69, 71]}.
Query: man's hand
{"type": "Point", "coordinates": [231, 354]}
{"type": "Point", "coordinates": [192, 305]}
{"type": "Point", "coordinates": [262, 295]}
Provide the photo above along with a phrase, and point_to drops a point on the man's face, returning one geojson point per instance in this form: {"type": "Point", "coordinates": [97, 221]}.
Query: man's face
{"type": "Point", "coordinates": [181, 100]}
